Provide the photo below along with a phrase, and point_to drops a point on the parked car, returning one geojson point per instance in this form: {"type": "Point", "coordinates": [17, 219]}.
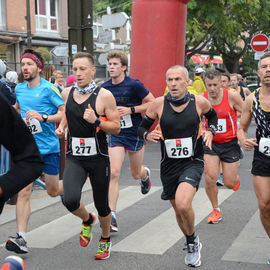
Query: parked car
{"type": "Point", "coordinates": [252, 86]}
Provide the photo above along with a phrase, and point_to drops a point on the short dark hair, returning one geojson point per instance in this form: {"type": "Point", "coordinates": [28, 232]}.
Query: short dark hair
{"type": "Point", "coordinates": [86, 55]}
{"type": "Point", "coordinates": [266, 55]}
{"type": "Point", "coordinates": [212, 74]}
{"type": "Point", "coordinates": [37, 54]}
{"type": "Point", "coordinates": [225, 74]}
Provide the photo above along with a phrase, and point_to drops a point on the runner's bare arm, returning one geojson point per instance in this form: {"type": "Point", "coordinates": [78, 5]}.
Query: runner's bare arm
{"type": "Point", "coordinates": [245, 120]}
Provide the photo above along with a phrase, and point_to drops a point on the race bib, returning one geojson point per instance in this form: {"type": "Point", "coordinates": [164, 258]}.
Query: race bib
{"type": "Point", "coordinates": [179, 148]}
{"type": "Point", "coordinates": [83, 146]}
{"type": "Point", "coordinates": [126, 121]}
{"type": "Point", "coordinates": [221, 126]}
{"type": "Point", "coordinates": [33, 125]}
{"type": "Point", "coordinates": [264, 146]}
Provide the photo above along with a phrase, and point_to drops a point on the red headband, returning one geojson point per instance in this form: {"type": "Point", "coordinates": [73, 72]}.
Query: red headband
{"type": "Point", "coordinates": [34, 58]}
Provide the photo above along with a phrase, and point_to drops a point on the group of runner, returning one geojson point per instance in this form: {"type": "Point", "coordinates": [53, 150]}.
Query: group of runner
{"type": "Point", "coordinates": [189, 146]}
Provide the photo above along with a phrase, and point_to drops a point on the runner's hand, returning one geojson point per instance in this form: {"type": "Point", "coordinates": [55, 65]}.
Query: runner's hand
{"type": "Point", "coordinates": [89, 115]}
{"type": "Point", "coordinates": [60, 132]}
{"type": "Point", "coordinates": [207, 138]}
{"type": "Point", "coordinates": [249, 144]}
{"type": "Point", "coordinates": [34, 115]}
{"type": "Point", "coordinates": [123, 110]}
{"type": "Point", "coordinates": [153, 136]}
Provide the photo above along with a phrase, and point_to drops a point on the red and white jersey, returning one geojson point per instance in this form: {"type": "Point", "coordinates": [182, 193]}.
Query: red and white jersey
{"type": "Point", "coordinates": [227, 120]}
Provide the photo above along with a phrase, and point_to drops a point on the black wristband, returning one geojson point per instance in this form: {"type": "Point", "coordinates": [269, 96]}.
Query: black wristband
{"type": "Point", "coordinates": [212, 130]}
{"type": "Point", "coordinates": [132, 109]}
{"type": "Point", "coordinates": [97, 122]}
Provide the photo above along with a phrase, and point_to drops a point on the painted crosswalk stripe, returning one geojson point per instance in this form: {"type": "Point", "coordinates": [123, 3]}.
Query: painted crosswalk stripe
{"type": "Point", "coordinates": [162, 232]}
{"type": "Point", "coordinates": [65, 227]}
{"type": "Point", "coordinates": [252, 245]}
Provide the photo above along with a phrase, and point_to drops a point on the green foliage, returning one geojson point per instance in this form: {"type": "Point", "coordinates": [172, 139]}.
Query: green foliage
{"type": "Point", "coordinates": [45, 53]}
{"type": "Point", "coordinates": [226, 27]}
{"type": "Point", "coordinates": [100, 6]}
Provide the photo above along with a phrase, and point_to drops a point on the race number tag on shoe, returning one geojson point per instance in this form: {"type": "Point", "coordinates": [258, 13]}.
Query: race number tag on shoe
{"type": "Point", "coordinates": [264, 146]}
{"type": "Point", "coordinates": [126, 121]}
{"type": "Point", "coordinates": [179, 148]}
{"type": "Point", "coordinates": [221, 126]}
{"type": "Point", "coordinates": [33, 125]}
{"type": "Point", "coordinates": [83, 146]}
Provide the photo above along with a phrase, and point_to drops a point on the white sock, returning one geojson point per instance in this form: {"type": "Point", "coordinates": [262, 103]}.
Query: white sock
{"type": "Point", "coordinates": [23, 235]}
{"type": "Point", "coordinates": [114, 214]}
{"type": "Point", "coordinates": [217, 209]}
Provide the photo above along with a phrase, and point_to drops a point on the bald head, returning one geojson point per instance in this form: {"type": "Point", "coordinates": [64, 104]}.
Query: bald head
{"type": "Point", "coordinates": [178, 67]}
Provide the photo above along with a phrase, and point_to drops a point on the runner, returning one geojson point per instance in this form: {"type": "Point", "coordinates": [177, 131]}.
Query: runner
{"type": "Point", "coordinates": [225, 148]}
{"type": "Point", "coordinates": [243, 91]}
{"type": "Point", "coordinates": [179, 116]}
{"type": "Point", "coordinates": [258, 106]}
{"type": "Point", "coordinates": [87, 152]}
{"type": "Point", "coordinates": [18, 140]}
{"type": "Point", "coordinates": [129, 94]}
{"type": "Point", "coordinates": [40, 105]}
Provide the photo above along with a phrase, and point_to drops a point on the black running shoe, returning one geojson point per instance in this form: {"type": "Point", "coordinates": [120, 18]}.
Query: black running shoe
{"type": "Point", "coordinates": [146, 184]}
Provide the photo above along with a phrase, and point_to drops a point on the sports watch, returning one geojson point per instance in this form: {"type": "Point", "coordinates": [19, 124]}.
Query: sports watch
{"type": "Point", "coordinates": [45, 117]}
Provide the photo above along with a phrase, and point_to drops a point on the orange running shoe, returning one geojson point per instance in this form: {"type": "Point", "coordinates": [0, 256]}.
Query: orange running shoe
{"type": "Point", "coordinates": [104, 250]}
{"type": "Point", "coordinates": [86, 233]}
{"type": "Point", "coordinates": [237, 186]}
{"type": "Point", "coordinates": [215, 217]}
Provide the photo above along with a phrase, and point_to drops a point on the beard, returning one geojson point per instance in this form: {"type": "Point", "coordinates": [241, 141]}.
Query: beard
{"type": "Point", "coordinates": [31, 76]}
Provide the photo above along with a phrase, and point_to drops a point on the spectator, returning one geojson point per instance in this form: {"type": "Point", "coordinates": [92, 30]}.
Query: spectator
{"type": "Point", "coordinates": [70, 80]}
{"type": "Point", "coordinates": [59, 80]}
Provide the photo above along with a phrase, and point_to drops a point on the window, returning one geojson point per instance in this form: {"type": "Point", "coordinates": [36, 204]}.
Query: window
{"type": "Point", "coordinates": [2, 15]}
{"type": "Point", "coordinates": [46, 15]}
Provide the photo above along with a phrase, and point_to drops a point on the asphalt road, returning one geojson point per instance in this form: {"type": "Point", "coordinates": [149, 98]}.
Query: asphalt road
{"type": "Point", "coordinates": [148, 236]}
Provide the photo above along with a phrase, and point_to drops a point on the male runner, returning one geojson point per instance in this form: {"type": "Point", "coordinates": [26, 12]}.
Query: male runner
{"type": "Point", "coordinates": [41, 105]}
{"type": "Point", "coordinates": [243, 91]}
{"type": "Point", "coordinates": [129, 95]}
{"type": "Point", "coordinates": [16, 137]}
{"type": "Point", "coordinates": [258, 106]}
{"type": "Point", "coordinates": [179, 115]}
{"type": "Point", "coordinates": [87, 152]}
{"type": "Point", "coordinates": [225, 148]}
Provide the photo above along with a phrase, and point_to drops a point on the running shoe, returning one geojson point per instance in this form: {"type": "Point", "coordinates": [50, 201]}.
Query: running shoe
{"type": "Point", "coordinates": [220, 180]}
{"type": "Point", "coordinates": [114, 226]}
{"type": "Point", "coordinates": [17, 244]}
{"type": "Point", "coordinates": [104, 250]}
{"type": "Point", "coordinates": [215, 217]}
{"type": "Point", "coordinates": [86, 233]}
{"type": "Point", "coordinates": [146, 184]}
{"type": "Point", "coordinates": [193, 256]}
{"type": "Point", "coordinates": [13, 263]}
{"type": "Point", "coordinates": [237, 186]}
{"type": "Point", "coordinates": [268, 261]}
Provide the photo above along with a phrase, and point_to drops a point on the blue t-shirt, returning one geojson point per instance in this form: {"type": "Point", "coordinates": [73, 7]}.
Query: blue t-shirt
{"type": "Point", "coordinates": [45, 99]}
{"type": "Point", "coordinates": [128, 93]}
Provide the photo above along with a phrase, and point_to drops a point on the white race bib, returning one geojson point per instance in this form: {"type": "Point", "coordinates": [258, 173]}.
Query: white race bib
{"type": "Point", "coordinates": [126, 121]}
{"type": "Point", "coordinates": [83, 146]}
{"type": "Point", "coordinates": [179, 148]}
{"type": "Point", "coordinates": [264, 146]}
{"type": "Point", "coordinates": [221, 126]}
{"type": "Point", "coordinates": [33, 125]}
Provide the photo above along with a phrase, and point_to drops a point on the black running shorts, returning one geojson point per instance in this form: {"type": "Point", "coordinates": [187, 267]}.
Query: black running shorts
{"type": "Point", "coordinates": [228, 152]}
{"type": "Point", "coordinates": [260, 164]}
{"type": "Point", "coordinates": [190, 173]}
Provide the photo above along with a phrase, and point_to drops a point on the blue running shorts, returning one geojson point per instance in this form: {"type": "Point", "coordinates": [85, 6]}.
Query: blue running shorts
{"type": "Point", "coordinates": [131, 143]}
{"type": "Point", "coordinates": [51, 163]}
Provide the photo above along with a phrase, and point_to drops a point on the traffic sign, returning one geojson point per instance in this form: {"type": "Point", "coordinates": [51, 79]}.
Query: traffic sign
{"type": "Point", "coordinates": [114, 20]}
{"type": "Point", "coordinates": [259, 43]}
{"type": "Point", "coordinates": [106, 36]}
{"type": "Point", "coordinates": [60, 51]}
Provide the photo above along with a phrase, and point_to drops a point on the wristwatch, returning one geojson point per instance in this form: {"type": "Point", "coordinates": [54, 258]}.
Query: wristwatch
{"type": "Point", "coordinates": [45, 117]}
{"type": "Point", "coordinates": [212, 129]}
{"type": "Point", "coordinates": [132, 109]}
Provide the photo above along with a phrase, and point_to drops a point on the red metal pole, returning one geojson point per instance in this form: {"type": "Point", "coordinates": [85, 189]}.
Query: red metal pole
{"type": "Point", "coordinates": [157, 40]}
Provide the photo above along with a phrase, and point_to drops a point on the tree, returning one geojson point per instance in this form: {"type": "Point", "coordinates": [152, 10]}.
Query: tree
{"type": "Point", "coordinates": [225, 27]}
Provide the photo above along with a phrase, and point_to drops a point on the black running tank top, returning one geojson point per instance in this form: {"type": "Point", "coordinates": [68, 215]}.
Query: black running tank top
{"type": "Point", "coordinates": [80, 128]}
{"type": "Point", "coordinates": [177, 125]}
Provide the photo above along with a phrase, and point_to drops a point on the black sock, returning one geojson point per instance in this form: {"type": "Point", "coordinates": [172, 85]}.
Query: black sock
{"type": "Point", "coordinates": [107, 239]}
{"type": "Point", "coordinates": [191, 238]}
{"type": "Point", "coordinates": [89, 221]}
